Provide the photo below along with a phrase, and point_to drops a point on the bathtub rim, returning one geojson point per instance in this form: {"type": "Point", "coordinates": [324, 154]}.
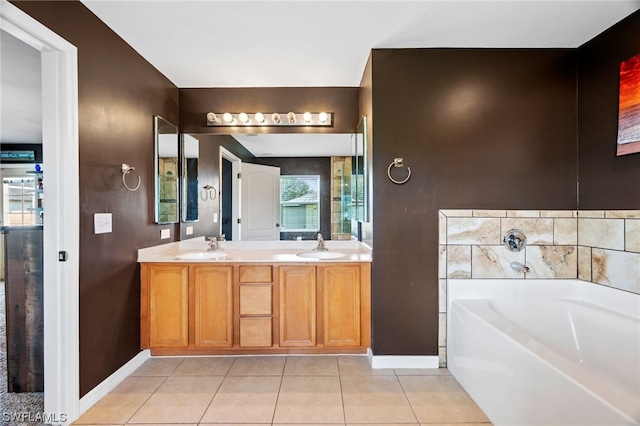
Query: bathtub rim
{"type": "Point", "coordinates": [473, 295]}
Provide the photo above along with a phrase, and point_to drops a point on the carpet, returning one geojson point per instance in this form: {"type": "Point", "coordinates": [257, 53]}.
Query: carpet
{"type": "Point", "coordinates": [14, 406]}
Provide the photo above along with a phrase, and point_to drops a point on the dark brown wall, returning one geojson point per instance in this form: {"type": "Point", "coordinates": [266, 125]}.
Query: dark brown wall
{"type": "Point", "coordinates": [196, 103]}
{"type": "Point", "coordinates": [307, 166]}
{"type": "Point", "coordinates": [606, 181]}
{"type": "Point", "coordinates": [119, 93]}
{"type": "Point", "coordinates": [480, 128]}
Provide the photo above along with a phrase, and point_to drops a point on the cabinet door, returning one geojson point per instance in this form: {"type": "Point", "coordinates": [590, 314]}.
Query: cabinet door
{"type": "Point", "coordinates": [341, 305]}
{"type": "Point", "coordinates": [168, 306]}
{"type": "Point", "coordinates": [212, 306]}
{"type": "Point", "coordinates": [297, 296]}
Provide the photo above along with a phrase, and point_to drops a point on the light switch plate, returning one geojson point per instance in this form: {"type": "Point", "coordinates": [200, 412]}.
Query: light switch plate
{"type": "Point", "coordinates": [165, 233]}
{"type": "Point", "coordinates": [102, 223]}
{"type": "Point", "coordinates": [189, 230]}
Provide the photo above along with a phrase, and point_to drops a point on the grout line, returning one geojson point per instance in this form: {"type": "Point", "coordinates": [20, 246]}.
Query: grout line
{"type": "Point", "coordinates": [217, 390]}
{"type": "Point", "coordinates": [275, 406]}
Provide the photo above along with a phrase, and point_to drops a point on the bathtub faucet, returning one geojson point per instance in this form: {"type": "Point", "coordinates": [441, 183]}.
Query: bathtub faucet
{"type": "Point", "coordinates": [519, 267]}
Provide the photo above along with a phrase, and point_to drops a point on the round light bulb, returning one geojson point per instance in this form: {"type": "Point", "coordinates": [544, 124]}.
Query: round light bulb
{"type": "Point", "coordinates": [243, 117]}
{"type": "Point", "coordinates": [322, 117]}
{"type": "Point", "coordinates": [259, 117]}
{"type": "Point", "coordinates": [275, 117]}
{"type": "Point", "coordinates": [306, 117]}
{"type": "Point", "coordinates": [211, 117]}
{"type": "Point", "coordinates": [228, 118]}
{"type": "Point", "coordinates": [291, 117]}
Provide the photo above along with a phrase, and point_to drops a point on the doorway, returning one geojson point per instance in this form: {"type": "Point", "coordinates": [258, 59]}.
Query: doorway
{"type": "Point", "coordinates": [229, 195]}
{"type": "Point", "coordinates": [61, 233]}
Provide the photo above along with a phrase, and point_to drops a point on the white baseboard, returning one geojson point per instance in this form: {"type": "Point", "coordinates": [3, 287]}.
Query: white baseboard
{"type": "Point", "coordinates": [107, 385]}
{"type": "Point", "coordinates": [403, 361]}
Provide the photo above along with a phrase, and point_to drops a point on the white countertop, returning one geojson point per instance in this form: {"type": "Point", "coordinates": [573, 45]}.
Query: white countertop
{"type": "Point", "coordinates": [255, 252]}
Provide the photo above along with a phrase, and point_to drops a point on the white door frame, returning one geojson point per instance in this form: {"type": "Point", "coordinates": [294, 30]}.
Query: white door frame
{"type": "Point", "coordinates": [61, 230]}
{"type": "Point", "coordinates": [236, 164]}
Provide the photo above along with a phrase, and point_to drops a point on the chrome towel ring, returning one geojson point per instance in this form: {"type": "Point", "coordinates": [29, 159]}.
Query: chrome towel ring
{"type": "Point", "coordinates": [208, 192]}
{"type": "Point", "coordinates": [398, 162]}
{"type": "Point", "coordinates": [125, 170]}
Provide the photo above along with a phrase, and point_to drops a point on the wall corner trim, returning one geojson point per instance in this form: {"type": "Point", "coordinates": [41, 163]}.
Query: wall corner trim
{"type": "Point", "coordinates": [402, 361]}
{"type": "Point", "coordinates": [108, 384]}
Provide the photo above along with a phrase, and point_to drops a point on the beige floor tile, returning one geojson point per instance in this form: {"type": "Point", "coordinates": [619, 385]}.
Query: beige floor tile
{"type": "Point", "coordinates": [191, 385]}
{"type": "Point", "coordinates": [157, 367]}
{"type": "Point", "coordinates": [454, 424]}
{"type": "Point", "coordinates": [422, 372]}
{"type": "Point", "coordinates": [139, 384]}
{"type": "Point", "coordinates": [440, 399]}
{"type": "Point", "coordinates": [205, 366]}
{"type": "Point", "coordinates": [113, 408]}
{"type": "Point", "coordinates": [258, 366]}
{"type": "Point", "coordinates": [233, 424]}
{"type": "Point", "coordinates": [309, 399]}
{"type": "Point", "coordinates": [359, 366]}
{"type": "Point", "coordinates": [173, 408]}
{"type": "Point", "coordinates": [383, 424]}
{"type": "Point", "coordinates": [377, 399]}
{"type": "Point", "coordinates": [244, 399]}
{"type": "Point", "coordinates": [311, 366]}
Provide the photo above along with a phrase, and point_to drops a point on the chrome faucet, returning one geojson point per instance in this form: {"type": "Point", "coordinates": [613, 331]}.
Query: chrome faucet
{"type": "Point", "coordinates": [320, 246]}
{"type": "Point", "coordinates": [519, 267]}
{"type": "Point", "coordinates": [214, 244]}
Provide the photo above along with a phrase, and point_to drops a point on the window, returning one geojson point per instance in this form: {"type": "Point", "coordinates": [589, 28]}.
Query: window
{"type": "Point", "coordinates": [19, 201]}
{"type": "Point", "coordinates": [300, 203]}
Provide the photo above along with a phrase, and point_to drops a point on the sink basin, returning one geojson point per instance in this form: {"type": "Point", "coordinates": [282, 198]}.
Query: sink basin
{"type": "Point", "coordinates": [321, 254]}
{"type": "Point", "coordinates": [201, 255]}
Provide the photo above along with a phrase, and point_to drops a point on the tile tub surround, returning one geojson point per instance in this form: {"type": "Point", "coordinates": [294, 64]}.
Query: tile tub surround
{"type": "Point", "coordinates": [598, 246]}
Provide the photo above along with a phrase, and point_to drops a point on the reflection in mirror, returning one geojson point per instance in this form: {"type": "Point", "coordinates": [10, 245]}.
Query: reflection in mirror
{"type": "Point", "coordinates": [166, 171]}
{"type": "Point", "coordinates": [359, 186]}
{"type": "Point", "coordinates": [330, 156]}
{"type": "Point", "coordinates": [190, 152]}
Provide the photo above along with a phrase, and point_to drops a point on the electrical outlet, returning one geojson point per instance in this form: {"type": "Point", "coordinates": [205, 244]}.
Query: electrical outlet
{"type": "Point", "coordinates": [189, 230]}
{"type": "Point", "coordinates": [102, 223]}
{"type": "Point", "coordinates": [165, 233]}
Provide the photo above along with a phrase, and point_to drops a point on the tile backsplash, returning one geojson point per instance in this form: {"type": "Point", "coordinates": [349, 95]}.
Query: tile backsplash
{"type": "Point", "coordinates": [602, 247]}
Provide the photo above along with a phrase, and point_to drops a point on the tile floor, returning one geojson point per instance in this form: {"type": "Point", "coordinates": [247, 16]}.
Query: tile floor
{"type": "Point", "coordinates": [283, 390]}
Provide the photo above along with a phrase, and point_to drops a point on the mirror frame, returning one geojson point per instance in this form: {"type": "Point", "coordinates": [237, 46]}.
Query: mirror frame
{"type": "Point", "coordinates": [188, 182]}
{"type": "Point", "coordinates": [361, 153]}
{"type": "Point", "coordinates": [162, 127]}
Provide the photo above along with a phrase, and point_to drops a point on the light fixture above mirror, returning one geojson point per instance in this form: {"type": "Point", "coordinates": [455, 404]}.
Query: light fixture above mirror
{"type": "Point", "coordinates": [270, 119]}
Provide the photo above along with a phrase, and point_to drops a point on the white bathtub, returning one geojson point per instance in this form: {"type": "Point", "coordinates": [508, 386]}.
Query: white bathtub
{"type": "Point", "coordinates": [537, 352]}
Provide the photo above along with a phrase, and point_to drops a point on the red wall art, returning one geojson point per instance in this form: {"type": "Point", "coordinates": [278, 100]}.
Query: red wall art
{"type": "Point", "coordinates": [629, 107]}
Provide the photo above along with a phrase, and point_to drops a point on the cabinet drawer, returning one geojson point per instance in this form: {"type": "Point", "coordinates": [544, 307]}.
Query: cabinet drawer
{"type": "Point", "coordinates": [255, 274]}
{"type": "Point", "coordinates": [255, 299]}
{"type": "Point", "coordinates": [255, 332]}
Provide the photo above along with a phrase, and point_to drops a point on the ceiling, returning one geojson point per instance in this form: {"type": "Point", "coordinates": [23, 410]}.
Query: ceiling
{"type": "Point", "coordinates": [20, 90]}
{"type": "Point", "coordinates": [211, 43]}
{"type": "Point", "coordinates": [298, 144]}
{"type": "Point", "coordinates": [236, 43]}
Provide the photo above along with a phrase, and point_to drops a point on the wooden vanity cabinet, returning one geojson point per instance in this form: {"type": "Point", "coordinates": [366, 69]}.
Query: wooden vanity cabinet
{"type": "Point", "coordinates": [235, 308]}
{"type": "Point", "coordinates": [211, 306]}
{"type": "Point", "coordinates": [165, 318]}
{"type": "Point", "coordinates": [255, 307]}
{"type": "Point", "coordinates": [297, 306]}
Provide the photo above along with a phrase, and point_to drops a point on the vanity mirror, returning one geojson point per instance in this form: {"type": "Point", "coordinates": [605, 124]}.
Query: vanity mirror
{"type": "Point", "coordinates": [167, 195]}
{"type": "Point", "coordinates": [329, 157]}
{"type": "Point", "coordinates": [189, 153]}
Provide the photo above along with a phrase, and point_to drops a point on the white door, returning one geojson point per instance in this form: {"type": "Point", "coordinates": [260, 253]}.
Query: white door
{"type": "Point", "coordinates": [259, 203]}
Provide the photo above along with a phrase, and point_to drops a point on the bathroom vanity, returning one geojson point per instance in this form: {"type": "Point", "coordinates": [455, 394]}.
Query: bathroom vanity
{"type": "Point", "coordinates": [255, 298]}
